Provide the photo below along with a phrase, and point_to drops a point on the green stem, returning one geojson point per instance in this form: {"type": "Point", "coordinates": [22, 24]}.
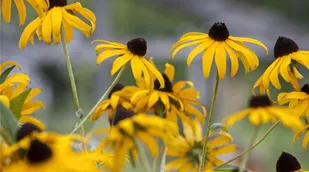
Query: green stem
{"type": "Point", "coordinates": [212, 107]}
{"type": "Point", "coordinates": [252, 147]}
{"type": "Point", "coordinates": [246, 157]}
{"type": "Point", "coordinates": [163, 159]}
{"type": "Point", "coordinates": [71, 74]}
{"type": "Point", "coordinates": [80, 124]}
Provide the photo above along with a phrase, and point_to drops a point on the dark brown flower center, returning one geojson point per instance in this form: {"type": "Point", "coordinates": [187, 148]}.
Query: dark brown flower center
{"type": "Point", "coordinates": [137, 46]}
{"type": "Point", "coordinates": [284, 46]}
{"type": "Point", "coordinates": [287, 163]}
{"type": "Point", "coordinates": [120, 114]}
{"type": "Point", "coordinates": [259, 101]}
{"type": "Point", "coordinates": [57, 3]}
{"type": "Point", "coordinates": [117, 87]}
{"type": "Point", "coordinates": [305, 89]}
{"type": "Point", "coordinates": [219, 32]}
{"type": "Point", "coordinates": [38, 152]}
{"type": "Point", "coordinates": [168, 85]}
{"type": "Point", "coordinates": [25, 130]}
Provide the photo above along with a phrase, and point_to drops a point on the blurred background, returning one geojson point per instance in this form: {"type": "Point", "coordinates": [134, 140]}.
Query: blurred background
{"type": "Point", "coordinates": [161, 23]}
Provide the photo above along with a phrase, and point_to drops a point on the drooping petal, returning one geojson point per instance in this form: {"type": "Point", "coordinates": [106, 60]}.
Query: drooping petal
{"type": "Point", "coordinates": [28, 32]}
{"type": "Point", "coordinates": [207, 59]}
{"type": "Point", "coordinates": [220, 59]}
{"type": "Point", "coordinates": [21, 9]}
{"type": "Point", "coordinates": [56, 23]}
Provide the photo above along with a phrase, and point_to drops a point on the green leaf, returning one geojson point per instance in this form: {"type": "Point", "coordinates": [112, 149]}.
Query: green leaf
{"type": "Point", "coordinates": [17, 103]}
{"type": "Point", "coordinates": [229, 168]}
{"type": "Point", "coordinates": [9, 123]}
{"type": "Point", "coordinates": [218, 126]}
{"type": "Point", "coordinates": [5, 74]}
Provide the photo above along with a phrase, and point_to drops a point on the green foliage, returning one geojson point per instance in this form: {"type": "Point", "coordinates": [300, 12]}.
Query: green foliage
{"type": "Point", "coordinates": [17, 103]}
{"type": "Point", "coordinates": [9, 123]}
{"type": "Point", "coordinates": [5, 74]}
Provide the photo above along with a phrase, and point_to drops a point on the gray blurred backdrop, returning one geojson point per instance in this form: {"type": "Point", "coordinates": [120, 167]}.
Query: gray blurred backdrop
{"type": "Point", "coordinates": [161, 23]}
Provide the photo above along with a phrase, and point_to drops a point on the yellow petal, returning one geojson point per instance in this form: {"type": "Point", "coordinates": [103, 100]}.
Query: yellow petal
{"type": "Point", "coordinates": [31, 107]}
{"type": "Point", "coordinates": [47, 27]}
{"type": "Point", "coordinates": [5, 100]}
{"type": "Point", "coordinates": [136, 67]}
{"type": "Point", "coordinates": [68, 31]}
{"type": "Point", "coordinates": [28, 32]}
{"type": "Point", "coordinates": [169, 71]}
{"type": "Point", "coordinates": [208, 58]}
{"type": "Point", "coordinates": [184, 46]}
{"type": "Point", "coordinates": [198, 49]}
{"type": "Point", "coordinates": [175, 164]}
{"type": "Point", "coordinates": [284, 68]}
{"type": "Point", "coordinates": [250, 40]}
{"type": "Point", "coordinates": [29, 119]}
{"type": "Point", "coordinates": [254, 118]}
{"type": "Point", "coordinates": [119, 63]}
{"type": "Point", "coordinates": [6, 10]}
{"type": "Point", "coordinates": [165, 100]}
{"type": "Point", "coordinates": [225, 149]}
{"type": "Point", "coordinates": [274, 77]}
{"type": "Point", "coordinates": [152, 69]}
{"type": "Point", "coordinates": [7, 64]}
{"type": "Point", "coordinates": [221, 60]}
{"type": "Point", "coordinates": [56, 23]}
{"type": "Point", "coordinates": [151, 143]}
{"type": "Point", "coordinates": [77, 23]}
{"type": "Point", "coordinates": [21, 9]}
{"type": "Point", "coordinates": [234, 60]}
{"type": "Point", "coordinates": [107, 54]}
{"type": "Point", "coordinates": [153, 99]}
{"type": "Point", "coordinates": [230, 120]}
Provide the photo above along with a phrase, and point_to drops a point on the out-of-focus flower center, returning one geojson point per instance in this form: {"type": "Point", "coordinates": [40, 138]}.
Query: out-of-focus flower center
{"type": "Point", "coordinates": [287, 163]}
{"type": "Point", "coordinates": [259, 101]}
{"type": "Point", "coordinates": [305, 89]}
{"type": "Point", "coordinates": [284, 46]}
{"type": "Point", "coordinates": [219, 32]}
{"type": "Point", "coordinates": [57, 3]}
{"type": "Point", "coordinates": [120, 114]}
{"type": "Point", "coordinates": [25, 130]}
{"type": "Point", "coordinates": [168, 85]}
{"type": "Point", "coordinates": [137, 46]}
{"type": "Point", "coordinates": [117, 87]}
{"type": "Point", "coordinates": [38, 152]}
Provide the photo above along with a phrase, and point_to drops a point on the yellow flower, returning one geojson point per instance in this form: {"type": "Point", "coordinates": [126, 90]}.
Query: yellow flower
{"type": "Point", "coordinates": [180, 99]}
{"type": "Point", "coordinates": [133, 52]}
{"type": "Point", "coordinates": [6, 7]}
{"type": "Point", "coordinates": [287, 56]}
{"type": "Point", "coordinates": [115, 99]}
{"type": "Point", "coordinates": [217, 44]}
{"type": "Point", "coordinates": [52, 16]}
{"type": "Point", "coordinates": [188, 149]}
{"type": "Point", "coordinates": [288, 163]}
{"type": "Point", "coordinates": [50, 152]}
{"type": "Point", "coordinates": [298, 134]}
{"type": "Point", "coordinates": [261, 111]}
{"type": "Point", "coordinates": [298, 100]}
{"type": "Point", "coordinates": [122, 137]}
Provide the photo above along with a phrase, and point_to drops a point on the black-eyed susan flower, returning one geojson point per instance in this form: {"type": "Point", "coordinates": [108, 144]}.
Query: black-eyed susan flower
{"type": "Point", "coordinates": [215, 46]}
{"type": "Point", "coordinates": [188, 148]}
{"type": "Point", "coordinates": [298, 134]}
{"type": "Point", "coordinates": [133, 52]}
{"type": "Point", "coordinates": [174, 100]}
{"type": "Point", "coordinates": [122, 138]}
{"type": "Point", "coordinates": [288, 163]}
{"type": "Point", "coordinates": [287, 56]}
{"type": "Point", "coordinates": [115, 99]}
{"type": "Point", "coordinates": [298, 100]}
{"type": "Point", "coordinates": [6, 8]}
{"type": "Point", "coordinates": [261, 111]}
{"type": "Point", "coordinates": [53, 15]}
{"type": "Point", "coordinates": [38, 151]}
{"type": "Point", "coordinates": [15, 84]}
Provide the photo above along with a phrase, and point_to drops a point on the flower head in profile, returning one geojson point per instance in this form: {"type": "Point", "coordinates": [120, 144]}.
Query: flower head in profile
{"type": "Point", "coordinates": [38, 151]}
{"type": "Point", "coordinates": [53, 15]}
{"type": "Point", "coordinates": [6, 10]}
{"type": "Point", "coordinates": [187, 149]}
{"type": "Point", "coordinates": [133, 52]}
{"type": "Point", "coordinates": [287, 57]}
{"type": "Point", "coordinates": [261, 111]}
{"type": "Point", "coordinates": [122, 138]}
{"type": "Point", "coordinates": [298, 100]}
{"type": "Point", "coordinates": [16, 85]}
{"type": "Point", "coordinates": [288, 163]}
{"type": "Point", "coordinates": [215, 46]}
{"type": "Point", "coordinates": [116, 99]}
{"type": "Point", "coordinates": [179, 99]}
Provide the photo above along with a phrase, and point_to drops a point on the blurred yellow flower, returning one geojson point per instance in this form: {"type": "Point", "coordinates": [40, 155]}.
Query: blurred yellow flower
{"type": "Point", "coordinates": [188, 149]}
{"type": "Point", "coordinates": [287, 56]}
{"type": "Point", "coordinates": [133, 52]}
{"type": "Point", "coordinates": [50, 152]}
{"type": "Point", "coordinates": [122, 137]}
{"type": "Point", "coordinates": [298, 134]}
{"type": "Point", "coordinates": [298, 100]}
{"type": "Point", "coordinates": [6, 7]}
{"type": "Point", "coordinates": [261, 111]}
{"type": "Point", "coordinates": [216, 45]}
{"type": "Point", "coordinates": [52, 16]}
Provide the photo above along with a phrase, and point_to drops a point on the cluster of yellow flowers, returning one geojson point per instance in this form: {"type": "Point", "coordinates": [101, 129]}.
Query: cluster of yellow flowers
{"type": "Point", "coordinates": [157, 111]}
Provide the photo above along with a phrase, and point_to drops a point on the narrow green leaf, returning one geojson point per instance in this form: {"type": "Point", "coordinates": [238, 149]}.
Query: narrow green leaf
{"type": "Point", "coordinates": [218, 126]}
{"type": "Point", "coordinates": [17, 103]}
{"type": "Point", "coordinates": [5, 74]}
{"type": "Point", "coordinates": [9, 123]}
{"type": "Point", "coordinates": [230, 168]}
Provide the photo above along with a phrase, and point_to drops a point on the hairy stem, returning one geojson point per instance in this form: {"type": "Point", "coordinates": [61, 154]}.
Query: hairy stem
{"type": "Point", "coordinates": [100, 100]}
{"type": "Point", "coordinates": [212, 107]}
{"type": "Point", "coordinates": [252, 147]}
